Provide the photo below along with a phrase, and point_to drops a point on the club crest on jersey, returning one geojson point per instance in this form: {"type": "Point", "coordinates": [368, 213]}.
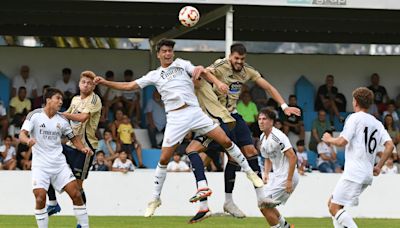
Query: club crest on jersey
{"type": "Point", "coordinates": [235, 87]}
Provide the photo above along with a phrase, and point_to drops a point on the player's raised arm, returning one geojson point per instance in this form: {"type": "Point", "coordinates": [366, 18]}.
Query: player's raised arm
{"type": "Point", "coordinates": [206, 74]}
{"type": "Point", "coordinates": [116, 85]}
{"type": "Point", "coordinates": [277, 97]}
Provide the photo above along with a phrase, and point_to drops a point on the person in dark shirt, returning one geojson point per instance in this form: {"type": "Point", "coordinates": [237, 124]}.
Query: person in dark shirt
{"type": "Point", "coordinates": [326, 98]}
{"type": "Point", "coordinates": [380, 94]}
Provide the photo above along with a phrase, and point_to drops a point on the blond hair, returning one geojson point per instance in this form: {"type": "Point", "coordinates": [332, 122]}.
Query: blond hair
{"type": "Point", "coordinates": [88, 74]}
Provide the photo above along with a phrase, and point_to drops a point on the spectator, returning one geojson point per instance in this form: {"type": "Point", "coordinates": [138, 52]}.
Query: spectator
{"type": "Point", "coordinates": [294, 123]}
{"type": "Point", "coordinates": [391, 109]}
{"type": "Point", "coordinates": [100, 163]}
{"type": "Point", "coordinates": [3, 120]}
{"type": "Point", "coordinates": [380, 94]}
{"type": "Point", "coordinates": [24, 157]}
{"type": "Point", "coordinates": [278, 124]}
{"type": "Point", "coordinates": [108, 147]}
{"type": "Point", "coordinates": [177, 165]}
{"type": "Point", "coordinates": [319, 126]}
{"type": "Point", "coordinates": [15, 127]}
{"type": "Point", "coordinates": [391, 128]}
{"type": "Point", "coordinates": [259, 96]}
{"type": "Point", "coordinates": [8, 154]}
{"type": "Point", "coordinates": [248, 110]}
{"type": "Point", "coordinates": [389, 167]}
{"type": "Point", "coordinates": [24, 80]}
{"type": "Point", "coordinates": [38, 102]}
{"type": "Point", "coordinates": [118, 115]}
{"type": "Point", "coordinates": [20, 104]}
{"type": "Point", "coordinates": [128, 140]}
{"type": "Point", "coordinates": [327, 157]}
{"type": "Point", "coordinates": [67, 86]}
{"type": "Point", "coordinates": [302, 159]}
{"type": "Point", "coordinates": [122, 163]}
{"type": "Point", "coordinates": [156, 118]}
{"type": "Point", "coordinates": [373, 110]}
{"type": "Point", "coordinates": [327, 99]}
{"type": "Point", "coordinates": [111, 97]}
{"type": "Point", "coordinates": [131, 99]}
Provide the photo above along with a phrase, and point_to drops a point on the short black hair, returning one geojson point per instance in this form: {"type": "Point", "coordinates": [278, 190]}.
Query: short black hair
{"type": "Point", "coordinates": [128, 72]}
{"type": "Point", "coordinates": [50, 92]}
{"type": "Point", "coordinates": [7, 137]}
{"type": "Point", "coordinates": [292, 95]}
{"type": "Point", "coordinates": [66, 71]}
{"type": "Point", "coordinates": [22, 88]}
{"type": "Point", "coordinates": [165, 42]}
{"type": "Point", "coordinates": [100, 152]}
{"type": "Point", "coordinates": [300, 142]}
{"type": "Point", "coordinates": [238, 48]}
{"type": "Point", "coordinates": [109, 74]}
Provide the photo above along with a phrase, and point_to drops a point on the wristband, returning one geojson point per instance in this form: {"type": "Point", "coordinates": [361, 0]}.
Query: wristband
{"type": "Point", "coordinates": [284, 106]}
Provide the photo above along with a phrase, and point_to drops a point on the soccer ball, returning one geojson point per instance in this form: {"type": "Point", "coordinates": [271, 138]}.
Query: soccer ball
{"type": "Point", "coordinates": [189, 16]}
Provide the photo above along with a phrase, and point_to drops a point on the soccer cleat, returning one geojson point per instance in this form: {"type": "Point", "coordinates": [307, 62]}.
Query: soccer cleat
{"type": "Point", "coordinates": [151, 207]}
{"type": "Point", "coordinates": [268, 203]}
{"type": "Point", "coordinates": [202, 193]}
{"type": "Point", "coordinates": [256, 180]}
{"type": "Point", "coordinates": [51, 210]}
{"type": "Point", "coordinates": [233, 210]}
{"type": "Point", "coordinates": [200, 216]}
{"type": "Point", "coordinates": [78, 226]}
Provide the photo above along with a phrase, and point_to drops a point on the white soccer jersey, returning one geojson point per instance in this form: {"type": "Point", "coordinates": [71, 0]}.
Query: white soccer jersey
{"type": "Point", "coordinates": [47, 152]}
{"type": "Point", "coordinates": [274, 147]}
{"type": "Point", "coordinates": [364, 133]}
{"type": "Point", "coordinates": [174, 83]}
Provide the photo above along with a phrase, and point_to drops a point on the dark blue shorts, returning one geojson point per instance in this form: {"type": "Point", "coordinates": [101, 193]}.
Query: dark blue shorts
{"type": "Point", "coordinates": [78, 162]}
{"type": "Point", "coordinates": [240, 135]}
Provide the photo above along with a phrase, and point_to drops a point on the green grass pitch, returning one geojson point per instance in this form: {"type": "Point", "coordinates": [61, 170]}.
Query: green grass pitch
{"type": "Point", "coordinates": [176, 222]}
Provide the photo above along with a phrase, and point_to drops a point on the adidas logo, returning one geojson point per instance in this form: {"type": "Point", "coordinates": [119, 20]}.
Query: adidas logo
{"type": "Point", "coordinates": [42, 125]}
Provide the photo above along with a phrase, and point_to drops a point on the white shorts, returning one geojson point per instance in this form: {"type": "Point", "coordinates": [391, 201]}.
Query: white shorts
{"type": "Point", "coordinates": [346, 192]}
{"type": "Point", "coordinates": [42, 178]}
{"type": "Point", "coordinates": [183, 121]}
{"type": "Point", "coordinates": [276, 188]}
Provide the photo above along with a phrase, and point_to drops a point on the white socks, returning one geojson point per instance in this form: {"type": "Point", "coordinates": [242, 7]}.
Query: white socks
{"type": "Point", "coordinates": [52, 202]}
{"type": "Point", "coordinates": [202, 184]}
{"type": "Point", "coordinates": [42, 218]}
{"type": "Point", "coordinates": [81, 215]}
{"type": "Point", "coordinates": [228, 198]}
{"type": "Point", "coordinates": [260, 193]}
{"type": "Point", "coordinates": [239, 158]}
{"type": "Point", "coordinates": [345, 219]}
{"type": "Point", "coordinates": [159, 179]}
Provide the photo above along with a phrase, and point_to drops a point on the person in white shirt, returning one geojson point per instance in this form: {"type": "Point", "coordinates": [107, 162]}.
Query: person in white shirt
{"type": "Point", "coordinates": [45, 127]}
{"type": "Point", "coordinates": [122, 163]}
{"type": "Point", "coordinates": [24, 80]}
{"type": "Point", "coordinates": [8, 154]}
{"type": "Point", "coordinates": [280, 156]}
{"type": "Point", "coordinates": [302, 158]}
{"type": "Point", "coordinates": [173, 80]}
{"type": "Point", "coordinates": [389, 167]}
{"type": "Point", "coordinates": [327, 157]}
{"type": "Point", "coordinates": [362, 134]}
{"type": "Point", "coordinates": [177, 165]}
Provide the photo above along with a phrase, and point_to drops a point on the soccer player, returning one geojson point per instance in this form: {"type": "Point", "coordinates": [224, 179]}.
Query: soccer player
{"type": "Point", "coordinates": [84, 115]}
{"type": "Point", "coordinates": [45, 127]}
{"type": "Point", "coordinates": [280, 156]}
{"type": "Point", "coordinates": [234, 72]}
{"type": "Point", "coordinates": [362, 134]}
{"type": "Point", "coordinates": [173, 80]}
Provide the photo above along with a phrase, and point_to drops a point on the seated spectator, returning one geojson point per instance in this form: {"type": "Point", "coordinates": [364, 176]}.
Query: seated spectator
{"type": "Point", "coordinates": [15, 127]}
{"type": "Point", "coordinates": [248, 110]}
{"type": "Point", "coordinates": [327, 99]}
{"type": "Point", "coordinates": [380, 93]}
{"type": "Point", "coordinates": [111, 98]}
{"type": "Point", "coordinates": [302, 159]}
{"type": "Point", "coordinates": [391, 128]}
{"type": "Point", "coordinates": [391, 109]}
{"type": "Point", "coordinates": [3, 120]}
{"type": "Point", "coordinates": [38, 102]}
{"type": "Point", "coordinates": [100, 163]}
{"type": "Point", "coordinates": [108, 147]}
{"type": "Point", "coordinates": [389, 167]}
{"type": "Point", "coordinates": [156, 118]}
{"type": "Point", "coordinates": [373, 110]}
{"type": "Point", "coordinates": [68, 86]}
{"type": "Point", "coordinates": [24, 80]}
{"type": "Point", "coordinates": [319, 126]}
{"type": "Point", "coordinates": [327, 158]}
{"type": "Point", "coordinates": [20, 104]}
{"type": "Point", "coordinates": [128, 140]}
{"type": "Point", "coordinates": [118, 115]}
{"type": "Point", "coordinates": [131, 99]}
{"type": "Point", "coordinates": [122, 163]}
{"type": "Point", "coordinates": [259, 96]}
{"type": "Point", "coordinates": [8, 154]}
{"type": "Point", "coordinates": [177, 165]}
{"type": "Point", "coordinates": [294, 123]}
{"type": "Point", "coordinates": [24, 157]}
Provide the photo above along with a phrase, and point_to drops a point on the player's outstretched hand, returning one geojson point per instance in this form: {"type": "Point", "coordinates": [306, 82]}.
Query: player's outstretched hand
{"type": "Point", "coordinates": [87, 150]}
{"type": "Point", "coordinates": [31, 142]}
{"type": "Point", "coordinates": [377, 171]}
{"type": "Point", "coordinates": [198, 70]}
{"type": "Point", "coordinates": [292, 111]}
{"type": "Point", "coordinates": [98, 80]}
{"type": "Point", "coordinates": [289, 186]}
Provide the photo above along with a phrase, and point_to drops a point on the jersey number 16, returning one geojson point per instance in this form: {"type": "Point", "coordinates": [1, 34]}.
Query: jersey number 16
{"type": "Point", "coordinates": [370, 142]}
